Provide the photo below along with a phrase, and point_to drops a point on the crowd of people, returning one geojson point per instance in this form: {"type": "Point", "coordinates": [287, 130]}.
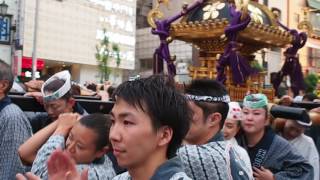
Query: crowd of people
{"type": "Point", "coordinates": [153, 131]}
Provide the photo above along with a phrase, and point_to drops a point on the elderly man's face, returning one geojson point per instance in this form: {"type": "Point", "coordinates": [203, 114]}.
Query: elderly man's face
{"type": "Point", "coordinates": [4, 85]}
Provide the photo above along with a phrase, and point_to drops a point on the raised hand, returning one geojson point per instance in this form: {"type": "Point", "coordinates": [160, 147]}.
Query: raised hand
{"type": "Point", "coordinates": [62, 167]}
{"type": "Point", "coordinates": [262, 174]}
{"type": "Point", "coordinates": [28, 176]}
{"type": "Point", "coordinates": [65, 123]}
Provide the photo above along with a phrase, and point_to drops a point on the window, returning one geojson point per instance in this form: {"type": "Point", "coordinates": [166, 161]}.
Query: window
{"type": "Point", "coordinates": [315, 21]}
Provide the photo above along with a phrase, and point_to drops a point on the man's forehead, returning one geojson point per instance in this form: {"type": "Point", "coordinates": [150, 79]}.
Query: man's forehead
{"type": "Point", "coordinates": [57, 101]}
{"type": "Point", "coordinates": [123, 107]}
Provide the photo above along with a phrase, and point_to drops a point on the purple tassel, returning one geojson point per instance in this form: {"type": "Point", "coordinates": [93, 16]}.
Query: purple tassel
{"type": "Point", "coordinates": [162, 53]}
{"type": "Point", "coordinates": [238, 64]}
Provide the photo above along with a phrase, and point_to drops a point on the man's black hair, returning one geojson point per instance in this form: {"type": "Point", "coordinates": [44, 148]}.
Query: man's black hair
{"type": "Point", "coordinates": [157, 96]}
{"type": "Point", "coordinates": [6, 74]}
{"type": "Point", "coordinates": [309, 97]}
{"type": "Point", "coordinates": [100, 124]}
{"type": "Point", "coordinates": [92, 87]}
{"type": "Point", "coordinates": [207, 87]}
{"type": "Point", "coordinates": [110, 91]}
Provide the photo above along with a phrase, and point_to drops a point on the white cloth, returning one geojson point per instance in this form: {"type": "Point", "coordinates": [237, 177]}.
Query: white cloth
{"type": "Point", "coordinates": [308, 150]}
{"type": "Point", "coordinates": [298, 99]}
{"type": "Point", "coordinates": [17, 88]}
{"type": "Point", "coordinates": [243, 155]}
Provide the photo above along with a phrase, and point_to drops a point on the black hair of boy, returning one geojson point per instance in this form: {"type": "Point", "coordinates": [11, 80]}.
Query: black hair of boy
{"type": "Point", "coordinates": [157, 96]}
{"type": "Point", "coordinates": [208, 87]}
{"type": "Point", "coordinates": [100, 124]}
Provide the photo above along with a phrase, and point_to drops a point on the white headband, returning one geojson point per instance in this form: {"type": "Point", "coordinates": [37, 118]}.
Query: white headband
{"type": "Point", "coordinates": [225, 98]}
{"type": "Point", "coordinates": [64, 75]}
{"type": "Point", "coordinates": [304, 123]}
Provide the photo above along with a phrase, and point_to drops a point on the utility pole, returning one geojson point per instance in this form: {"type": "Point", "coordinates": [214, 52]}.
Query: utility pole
{"type": "Point", "coordinates": [35, 32]}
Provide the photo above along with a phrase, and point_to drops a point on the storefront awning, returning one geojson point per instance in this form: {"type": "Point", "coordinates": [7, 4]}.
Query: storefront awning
{"type": "Point", "coordinates": [314, 4]}
{"type": "Point", "coordinates": [27, 63]}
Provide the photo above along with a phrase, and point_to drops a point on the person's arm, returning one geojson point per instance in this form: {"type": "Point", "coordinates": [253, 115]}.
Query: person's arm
{"type": "Point", "coordinates": [56, 141]}
{"type": "Point", "coordinates": [39, 166]}
{"type": "Point", "coordinates": [37, 95]}
{"type": "Point", "coordinates": [286, 100]}
{"type": "Point", "coordinates": [34, 85]}
{"type": "Point", "coordinates": [66, 122]}
{"type": "Point", "coordinates": [28, 150]}
{"type": "Point", "coordinates": [294, 166]}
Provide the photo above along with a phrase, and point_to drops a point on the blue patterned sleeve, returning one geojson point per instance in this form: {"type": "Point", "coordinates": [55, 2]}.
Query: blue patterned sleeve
{"type": "Point", "coordinates": [39, 166]}
{"type": "Point", "coordinates": [98, 171]}
{"type": "Point", "coordinates": [14, 131]}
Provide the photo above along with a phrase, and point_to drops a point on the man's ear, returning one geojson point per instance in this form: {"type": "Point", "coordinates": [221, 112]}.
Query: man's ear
{"type": "Point", "coordinates": [267, 121]}
{"type": "Point", "coordinates": [165, 135]}
{"type": "Point", "coordinates": [214, 119]}
{"type": "Point", "coordinates": [4, 84]}
{"type": "Point", "coordinates": [103, 151]}
{"type": "Point", "coordinates": [71, 102]}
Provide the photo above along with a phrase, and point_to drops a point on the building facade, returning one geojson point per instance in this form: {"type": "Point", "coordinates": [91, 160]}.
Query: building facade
{"type": "Point", "coordinates": [298, 14]}
{"type": "Point", "coordinates": [68, 32]}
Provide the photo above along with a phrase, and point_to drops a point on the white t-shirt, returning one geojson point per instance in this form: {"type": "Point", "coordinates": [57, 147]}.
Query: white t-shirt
{"type": "Point", "coordinates": [308, 150]}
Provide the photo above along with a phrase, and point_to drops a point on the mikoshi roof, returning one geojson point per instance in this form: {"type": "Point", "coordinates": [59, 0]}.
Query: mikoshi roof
{"type": "Point", "coordinates": [205, 25]}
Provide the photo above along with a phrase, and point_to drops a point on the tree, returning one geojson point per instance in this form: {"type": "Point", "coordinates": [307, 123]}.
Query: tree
{"type": "Point", "coordinates": [104, 53]}
{"type": "Point", "coordinates": [311, 81]}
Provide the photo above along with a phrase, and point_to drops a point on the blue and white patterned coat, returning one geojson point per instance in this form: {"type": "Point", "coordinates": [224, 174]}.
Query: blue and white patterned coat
{"type": "Point", "coordinates": [15, 129]}
{"type": "Point", "coordinates": [170, 170]}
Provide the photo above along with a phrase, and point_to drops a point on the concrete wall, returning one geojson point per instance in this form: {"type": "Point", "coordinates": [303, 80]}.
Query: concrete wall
{"type": "Point", "coordinates": [88, 73]}
{"type": "Point", "coordinates": [5, 53]}
{"type": "Point", "coordinates": [69, 30]}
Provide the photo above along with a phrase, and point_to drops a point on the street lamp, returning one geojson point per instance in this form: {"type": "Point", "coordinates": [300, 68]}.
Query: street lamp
{"type": "Point", "coordinates": [3, 8]}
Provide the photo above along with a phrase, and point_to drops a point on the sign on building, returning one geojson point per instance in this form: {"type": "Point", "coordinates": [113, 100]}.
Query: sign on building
{"type": "Point", "coordinates": [5, 23]}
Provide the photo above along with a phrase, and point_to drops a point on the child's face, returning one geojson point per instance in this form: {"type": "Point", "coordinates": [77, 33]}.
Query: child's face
{"type": "Point", "coordinates": [230, 129]}
{"type": "Point", "coordinates": [81, 144]}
